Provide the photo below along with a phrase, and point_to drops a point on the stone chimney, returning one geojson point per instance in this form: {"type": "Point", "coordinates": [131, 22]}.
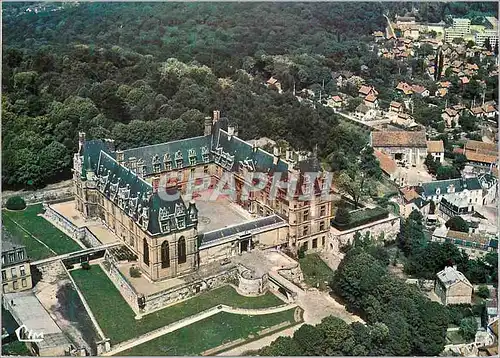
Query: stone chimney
{"type": "Point", "coordinates": [276, 151]}
{"type": "Point", "coordinates": [230, 131]}
{"type": "Point", "coordinates": [208, 126]}
{"type": "Point", "coordinates": [81, 142]}
{"type": "Point", "coordinates": [289, 155]}
{"type": "Point", "coordinates": [216, 116]}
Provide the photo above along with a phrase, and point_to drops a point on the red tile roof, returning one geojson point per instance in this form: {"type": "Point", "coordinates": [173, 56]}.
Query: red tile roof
{"type": "Point", "coordinates": [435, 146]}
{"type": "Point", "coordinates": [399, 139]}
{"type": "Point", "coordinates": [387, 164]}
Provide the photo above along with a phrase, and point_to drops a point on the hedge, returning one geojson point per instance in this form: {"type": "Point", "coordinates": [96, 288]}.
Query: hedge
{"type": "Point", "coordinates": [15, 203]}
{"type": "Point", "coordinates": [363, 217]}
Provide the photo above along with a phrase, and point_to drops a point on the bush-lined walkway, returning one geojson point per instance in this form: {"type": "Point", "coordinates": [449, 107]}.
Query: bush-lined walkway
{"type": "Point", "coordinates": [117, 319]}
{"type": "Point", "coordinates": [26, 224]}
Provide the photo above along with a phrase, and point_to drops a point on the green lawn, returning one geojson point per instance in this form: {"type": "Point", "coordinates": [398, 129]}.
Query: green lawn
{"type": "Point", "coordinates": [35, 250]}
{"type": "Point", "coordinates": [208, 333]}
{"type": "Point", "coordinates": [116, 318]}
{"type": "Point", "coordinates": [41, 229]}
{"type": "Point", "coordinates": [316, 271]}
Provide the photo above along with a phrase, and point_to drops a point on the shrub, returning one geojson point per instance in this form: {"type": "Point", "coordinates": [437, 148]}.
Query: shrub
{"type": "Point", "coordinates": [15, 203]}
{"type": "Point", "coordinates": [457, 223]}
{"type": "Point", "coordinates": [483, 291]}
{"type": "Point", "coordinates": [85, 266]}
{"type": "Point", "coordinates": [342, 217]}
{"type": "Point", "coordinates": [362, 217]}
{"type": "Point", "coordinates": [134, 272]}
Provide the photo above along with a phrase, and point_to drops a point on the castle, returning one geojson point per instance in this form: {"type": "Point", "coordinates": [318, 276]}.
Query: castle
{"type": "Point", "coordinates": [140, 195]}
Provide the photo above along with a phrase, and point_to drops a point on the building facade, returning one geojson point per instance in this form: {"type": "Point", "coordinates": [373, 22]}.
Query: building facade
{"type": "Point", "coordinates": [452, 287]}
{"type": "Point", "coordinates": [16, 273]}
{"type": "Point", "coordinates": [126, 189]}
{"type": "Point", "coordinates": [402, 146]}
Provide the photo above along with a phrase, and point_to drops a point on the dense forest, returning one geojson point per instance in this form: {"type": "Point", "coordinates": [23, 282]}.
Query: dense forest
{"type": "Point", "coordinates": [150, 72]}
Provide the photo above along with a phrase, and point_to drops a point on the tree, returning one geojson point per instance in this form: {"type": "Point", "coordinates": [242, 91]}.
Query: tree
{"type": "Point", "coordinates": [483, 291]}
{"type": "Point", "coordinates": [342, 216]}
{"type": "Point", "coordinates": [354, 183]}
{"type": "Point", "coordinates": [459, 162]}
{"type": "Point", "coordinates": [431, 164]}
{"type": "Point", "coordinates": [283, 346]}
{"type": "Point", "coordinates": [457, 223]}
{"type": "Point", "coordinates": [468, 328]}
{"type": "Point", "coordinates": [15, 203]}
{"type": "Point", "coordinates": [338, 336]}
{"type": "Point", "coordinates": [310, 339]}
{"type": "Point", "coordinates": [447, 172]}
{"type": "Point", "coordinates": [369, 163]}
{"type": "Point", "coordinates": [487, 44]}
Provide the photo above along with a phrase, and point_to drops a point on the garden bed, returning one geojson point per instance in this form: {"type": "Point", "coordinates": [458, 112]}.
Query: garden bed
{"type": "Point", "coordinates": [362, 217]}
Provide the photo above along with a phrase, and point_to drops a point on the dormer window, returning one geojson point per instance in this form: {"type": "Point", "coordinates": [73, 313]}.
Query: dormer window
{"type": "Point", "coordinates": [165, 226]}
{"type": "Point", "coordinates": [179, 209]}
{"type": "Point", "coordinates": [181, 222]}
{"type": "Point", "coordinates": [163, 214]}
{"type": "Point", "coordinates": [192, 156]}
{"type": "Point", "coordinates": [192, 160]}
{"type": "Point", "coordinates": [178, 159]}
{"type": "Point", "coordinates": [205, 154]}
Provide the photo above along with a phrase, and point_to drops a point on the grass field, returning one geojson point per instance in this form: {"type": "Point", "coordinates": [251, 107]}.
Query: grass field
{"type": "Point", "coordinates": [208, 333]}
{"type": "Point", "coordinates": [35, 250]}
{"type": "Point", "coordinates": [316, 271]}
{"type": "Point", "coordinates": [116, 318]}
{"type": "Point", "coordinates": [41, 229]}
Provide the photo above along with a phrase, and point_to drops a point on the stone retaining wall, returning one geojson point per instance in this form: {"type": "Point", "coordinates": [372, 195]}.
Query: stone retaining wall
{"type": "Point", "coordinates": [82, 235]}
{"type": "Point", "coordinates": [39, 196]}
{"type": "Point", "coordinates": [120, 282]}
{"type": "Point", "coordinates": [177, 294]}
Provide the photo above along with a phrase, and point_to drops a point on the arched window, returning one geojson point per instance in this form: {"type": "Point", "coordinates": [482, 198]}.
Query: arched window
{"type": "Point", "coordinates": [145, 249]}
{"type": "Point", "coordinates": [165, 255]}
{"type": "Point", "coordinates": [181, 250]}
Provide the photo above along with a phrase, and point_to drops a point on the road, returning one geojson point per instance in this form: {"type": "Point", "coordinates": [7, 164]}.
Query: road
{"type": "Point", "coordinates": [370, 124]}
{"type": "Point", "coordinates": [389, 30]}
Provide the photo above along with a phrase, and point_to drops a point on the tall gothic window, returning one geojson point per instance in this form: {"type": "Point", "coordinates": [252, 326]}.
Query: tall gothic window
{"type": "Point", "coordinates": [145, 248]}
{"type": "Point", "coordinates": [165, 255]}
{"type": "Point", "coordinates": [181, 250]}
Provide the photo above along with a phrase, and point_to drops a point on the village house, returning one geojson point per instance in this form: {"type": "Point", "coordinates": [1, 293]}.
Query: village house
{"type": "Point", "coordinates": [441, 92]}
{"type": "Point", "coordinates": [436, 149]}
{"type": "Point", "coordinates": [396, 107]}
{"type": "Point", "coordinates": [420, 90]}
{"type": "Point", "coordinates": [482, 156]}
{"type": "Point", "coordinates": [388, 166]}
{"type": "Point", "coordinates": [489, 184]}
{"type": "Point", "coordinates": [477, 112]}
{"type": "Point", "coordinates": [274, 83]}
{"type": "Point", "coordinates": [452, 287]}
{"type": "Point", "coordinates": [371, 101]}
{"type": "Point", "coordinates": [16, 272]}
{"type": "Point", "coordinates": [404, 146]}
{"type": "Point", "coordinates": [405, 88]}
{"type": "Point", "coordinates": [367, 90]}
{"type": "Point", "coordinates": [475, 245]}
{"type": "Point", "coordinates": [379, 36]}
{"type": "Point", "coordinates": [450, 117]}
{"type": "Point", "coordinates": [341, 78]}
{"type": "Point", "coordinates": [409, 200]}
{"type": "Point", "coordinates": [335, 102]}
{"type": "Point", "coordinates": [489, 110]}
{"type": "Point", "coordinates": [364, 113]}
{"type": "Point", "coordinates": [439, 189]}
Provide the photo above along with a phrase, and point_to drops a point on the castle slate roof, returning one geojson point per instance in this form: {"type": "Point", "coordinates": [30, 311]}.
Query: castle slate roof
{"type": "Point", "coordinates": [186, 149]}
{"type": "Point", "coordinates": [135, 197]}
{"type": "Point", "coordinates": [232, 153]}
